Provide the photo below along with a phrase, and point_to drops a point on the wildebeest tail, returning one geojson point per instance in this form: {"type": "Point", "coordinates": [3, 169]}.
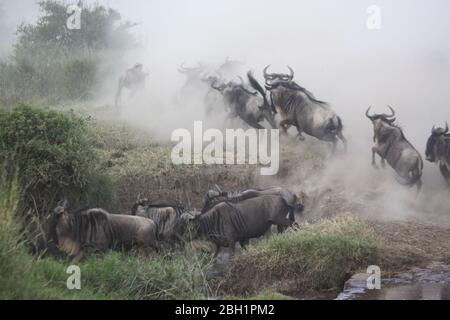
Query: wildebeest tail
{"type": "Point", "coordinates": [334, 125]}
{"type": "Point", "coordinates": [255, 85]}
{"type": "Point", "coordinates": [340, 125]}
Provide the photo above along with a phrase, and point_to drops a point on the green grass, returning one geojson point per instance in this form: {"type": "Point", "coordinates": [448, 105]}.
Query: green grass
{"type": "Point", "coordinates": [317, 257]}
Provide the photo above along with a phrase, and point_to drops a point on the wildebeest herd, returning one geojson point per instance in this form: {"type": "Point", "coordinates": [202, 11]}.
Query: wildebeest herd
{"type": "Point", "coordinates": [224, 220]}
{"type": "Point", "coordinates": [229, 218]}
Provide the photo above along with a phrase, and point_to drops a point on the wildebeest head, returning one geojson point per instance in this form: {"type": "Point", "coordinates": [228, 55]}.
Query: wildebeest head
{"type": "Point", "coordinates": [219, 85]}
{"type": "Point", "coordinates": [436, 133]}
{"type": "Point", "coordinates": [212, 197]}
{"type": "Point", "coordinates": [140, 202]}
{"type": "Point", "coordinates": [274, 79]}
{"type": "Point", "coordinates": [58, 219]}
{"type": "Point", "coordinates": [191, 71]}
{"type": "Point", "coordinates": [189, 224]}
{"type": "Point", "coordinates": [387, 118]}
{"type": "Point", "coordinates": [81, 226]}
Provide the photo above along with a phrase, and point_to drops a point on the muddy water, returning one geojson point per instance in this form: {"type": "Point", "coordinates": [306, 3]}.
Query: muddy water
{"type": "Point", "coordinates": [430, 283]}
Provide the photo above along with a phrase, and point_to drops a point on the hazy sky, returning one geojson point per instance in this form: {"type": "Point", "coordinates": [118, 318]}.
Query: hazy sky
{"type": "Point", "coordinates": [406, 63]}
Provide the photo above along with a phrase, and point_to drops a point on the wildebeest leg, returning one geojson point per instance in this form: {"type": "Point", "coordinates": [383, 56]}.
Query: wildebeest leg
{"type": "Point", "coordinates": [217, 250]}
{"type": "Point", "coordinates": [281, 228]}
{"type": "Point", "coordinates": [244, 243]}
{"type": "Point", "coordinates": [282, 223]}
{"type": "Point", "coordinates": [445, 173]}
{"type": "Point", "coordinates": [77, 258]}
{"type": "Point", "coordinates": [419, 186]}
{"type": "Point", "coordinates": [343, 139]}
{"type": "Point", "coordinates": [118, 93]}
{"type": "Point", "coordinates": [252, 123]}
{"type": "Point", "coordinates": [383, 163]}
{"type": "Point", "coordinates": [232, 247]}
{"type": "Point", "coordinates": [335, 141]}
{"type": "Point", "coordinates": [374, 164]}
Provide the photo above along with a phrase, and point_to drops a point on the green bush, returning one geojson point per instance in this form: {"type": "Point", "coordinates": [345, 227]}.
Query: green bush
{"type": "Point", "coordinates": [316, 257]}
{"type": "Point", "coordinates": [56, 160]}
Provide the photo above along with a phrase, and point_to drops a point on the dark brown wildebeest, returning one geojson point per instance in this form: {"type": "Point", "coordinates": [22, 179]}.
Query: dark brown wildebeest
{"type": "Point", "coordinates": [166, 217]}
{"type": "Point", "coordinates": [227, 223]}
{"type": "Point", "coordinates": [133, 79]}
{"type": "Point", "coordinates": [438, 150]}
{"type": "Point", "coordinates": [246, 104]}
{"type": "Point", "coordinates": [214, 197]}
{"type": "Point", "coordinates": [73, 233]}
{"type": "Point", "coordinates": [298, 107]}
{"type": "Point", "coordinates": [392, 146]}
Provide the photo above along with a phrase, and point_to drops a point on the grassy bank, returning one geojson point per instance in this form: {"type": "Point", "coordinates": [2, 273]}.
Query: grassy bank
{"type": "Point", "coordinates": [318, 257]}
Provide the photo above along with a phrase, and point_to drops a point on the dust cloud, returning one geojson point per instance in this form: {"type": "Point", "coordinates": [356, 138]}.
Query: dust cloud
{"type": "Point", "coordinates": [405, 64]}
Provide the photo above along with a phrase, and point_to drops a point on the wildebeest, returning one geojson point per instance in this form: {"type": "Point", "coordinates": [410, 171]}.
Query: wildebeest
{"type": "Point", "coordinates": [246, 104]}
{"type": "Point", "coordinates": [214, 197]}
{"type": "Point", "coordinates": [166, 217]}
{"type": "Point", "coordinates": [133, 79]}
{"type": "Point", "coordinates": [230, 68]}
{"type": "Point", "coordinates": [213, 99]}
{"type": "Point", "coordinates": [438, 150]}
{"type": "Point", "coordinates": [298, 107]}
{"type": "Point", "coordinates": [392, 146]}
{"type": "Point", "coordinates": [227, 223]}
{"type": "Point", "coordinates": [75, 232]}
{"type": "Point", "coordinates": [193, 86]}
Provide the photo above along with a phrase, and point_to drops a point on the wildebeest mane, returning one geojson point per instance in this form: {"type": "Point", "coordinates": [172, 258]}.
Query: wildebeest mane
{"type": "Point", "coordinates": [85, 224]}
{"type": "Point", "coordinates": [292, 85]}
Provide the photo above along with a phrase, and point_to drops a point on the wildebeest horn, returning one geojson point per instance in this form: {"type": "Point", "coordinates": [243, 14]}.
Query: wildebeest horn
{"type": "Point", "coordinates": [218, 188]}
{"type": "Point", "coordinates": [265, 71]}
{"type": "Point", "coordinates": [242, 80]}
{"type": "Point", "coordinates": [446, 127]}
{"type": "Point", "coordinates": [393, 112]}
{"type": "Point", "coordinates": [292, 73]}
{"type": "Point", "coordinates": [63, 203]}
{"type": "Point", "coordinates": [367, 113]}
{"type": "Point", "coordinates": [433, 130]}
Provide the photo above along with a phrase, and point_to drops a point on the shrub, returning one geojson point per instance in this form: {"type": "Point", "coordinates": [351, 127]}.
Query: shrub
{"type": "Point", "coordinates": [55, 157]}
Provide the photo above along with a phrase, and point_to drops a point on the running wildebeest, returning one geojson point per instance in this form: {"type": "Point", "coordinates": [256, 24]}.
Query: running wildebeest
{"type": "Point", "coordinates": [392, 146]}
{"type": "Point", "coordinates": [75, 232]}
{"type": "Point", "coordinates": [245, 104]}
{"type": "Point", "coordinates": [438, 150]}
{"type": "Point", "coordinates": [227, 223]}
{"type": "Point", "coordinates": [230, 68]}
{"type": "Point", "coordinates": [213, 98]}
{"type": "Point", "coordinates": [166, 217]}
{"type": "Point", "coordinates": [193, 86]}
{"type": "Point", "coordinates": [298, 107]}
{"type": "Point", "coordinates": [133, 79]}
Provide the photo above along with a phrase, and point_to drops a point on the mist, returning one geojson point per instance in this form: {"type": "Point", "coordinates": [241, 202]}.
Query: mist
{"type": "Point", "coordinates": [405, 64]}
